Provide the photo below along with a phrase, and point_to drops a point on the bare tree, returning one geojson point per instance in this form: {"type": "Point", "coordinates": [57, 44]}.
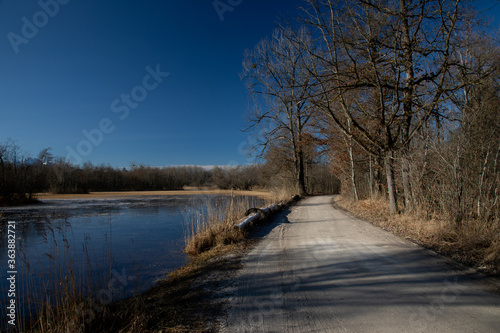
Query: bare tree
{"type": "Point", "coordinates": [16, 175]}
{"type": "Point", "coordinates": [45, 156]}
{"type": "Point", "coordinates": [275, 75]}
{"type": "Point", "coordinates": [389, 65]}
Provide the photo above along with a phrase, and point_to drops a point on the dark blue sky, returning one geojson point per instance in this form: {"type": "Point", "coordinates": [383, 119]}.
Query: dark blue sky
{"type": "Point", "coordinates": [65, 77]}
{"type": "Point", "coordinates": [81, 66]}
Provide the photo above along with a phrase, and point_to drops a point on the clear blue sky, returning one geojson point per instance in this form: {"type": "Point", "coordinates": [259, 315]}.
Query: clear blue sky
{"type": "Point", "coordinates": [81, 66]}
{"type": "Point", "coordinates": [66, 76]}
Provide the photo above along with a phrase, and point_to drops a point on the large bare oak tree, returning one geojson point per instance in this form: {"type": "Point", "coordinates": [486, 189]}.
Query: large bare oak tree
{"type": "Point", "coordinates": [277, 78]}
{"type": "Point", "coordinates": [381, 69]}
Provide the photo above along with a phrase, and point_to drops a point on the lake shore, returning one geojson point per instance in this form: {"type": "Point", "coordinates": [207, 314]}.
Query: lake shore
{"type": "Point", "coordinates": [98, 195]}
{"type": "Point", "coordinates": [185, 290]}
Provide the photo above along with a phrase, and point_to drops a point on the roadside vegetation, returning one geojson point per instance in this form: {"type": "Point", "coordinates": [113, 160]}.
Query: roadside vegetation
{"type": "Point", "coordinates": [215, 226]}
{"type": "Point", "coordinates": [475, 244]}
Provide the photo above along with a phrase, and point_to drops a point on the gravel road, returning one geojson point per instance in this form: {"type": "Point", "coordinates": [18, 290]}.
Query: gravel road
{"type": "Point", "coordinates": [322, 270]}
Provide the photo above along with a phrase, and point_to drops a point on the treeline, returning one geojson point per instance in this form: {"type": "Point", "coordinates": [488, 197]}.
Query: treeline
{"type": "Point", "coordinates": [402, 97]}
{"type": "Point", "coordinates": [22, 176]}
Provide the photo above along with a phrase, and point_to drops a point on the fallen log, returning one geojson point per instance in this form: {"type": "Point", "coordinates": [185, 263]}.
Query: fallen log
{"type": "Point", "coordinates": [258, 214]}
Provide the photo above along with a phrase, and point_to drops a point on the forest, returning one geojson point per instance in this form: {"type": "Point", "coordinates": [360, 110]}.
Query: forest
{"type": "Point", "coordinates": [401, 97]}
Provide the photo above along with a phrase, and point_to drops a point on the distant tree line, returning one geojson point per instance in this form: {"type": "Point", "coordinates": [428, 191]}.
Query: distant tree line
{"type": "Point", "coordinates": [22, 176]}
{"type": "Point", "coordinates": [401, 97]}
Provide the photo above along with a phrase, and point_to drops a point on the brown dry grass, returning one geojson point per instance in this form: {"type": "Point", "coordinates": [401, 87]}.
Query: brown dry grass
{"type": "Point", "coordinates": [282, 194]}
{"type": "Point", "coordinates": [216, 227]}
{"type": "Point", "coordinates": [475, 244]}
{"type": "Point", "coordinates": [58, 306]}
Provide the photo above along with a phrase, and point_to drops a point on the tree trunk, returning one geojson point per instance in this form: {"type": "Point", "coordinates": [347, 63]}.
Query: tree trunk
{"type": "Point", "coordinates": [379, 178]}
{"type": "Point", "coordinates": [371, 176]}
{"type": "Point", "coordinates": [351, 162]}
{"type": "Point", "coordinates": [408, 95]}
{"type": "Point", "coordinates": [458, 188]}
{"type": "Point", "coordinates": [405, 173]}
{"type": "Point", "coordinates": [301, 175]}
{"type": "Point", "coordinates": [391, 186]}
{"type": "Point", "coordinates": [353, 178]}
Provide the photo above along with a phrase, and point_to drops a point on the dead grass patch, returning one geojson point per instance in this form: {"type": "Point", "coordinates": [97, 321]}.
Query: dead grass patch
{"type": "Point", "coordinates": [475, 244]}
{"type": "Point", "coordinates": [216, 226]}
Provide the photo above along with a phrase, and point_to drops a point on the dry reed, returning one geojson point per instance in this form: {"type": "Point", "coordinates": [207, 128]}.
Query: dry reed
{"type": "Point", "coordinates": [475, 243]}
{"type": "Point", "coordinates": [216, 225]}
{"type": "Point", "coordinates": [59, 298]}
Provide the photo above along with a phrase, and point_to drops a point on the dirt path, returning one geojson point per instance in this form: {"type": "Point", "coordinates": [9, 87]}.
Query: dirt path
{"type": "Point", "coordinates": [321, 270]}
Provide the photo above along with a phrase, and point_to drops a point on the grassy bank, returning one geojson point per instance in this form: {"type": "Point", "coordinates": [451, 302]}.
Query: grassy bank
{"type": "Point", "coordinates": [182, 302]}
{"type": "Point", "coordinates": [216, 226]}
{"type": "Point", "coordinates": [475, 244]}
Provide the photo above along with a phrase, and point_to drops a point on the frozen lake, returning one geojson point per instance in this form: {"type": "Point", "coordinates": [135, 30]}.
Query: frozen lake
{"type": "Point", "coordinates": [121, 245]}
